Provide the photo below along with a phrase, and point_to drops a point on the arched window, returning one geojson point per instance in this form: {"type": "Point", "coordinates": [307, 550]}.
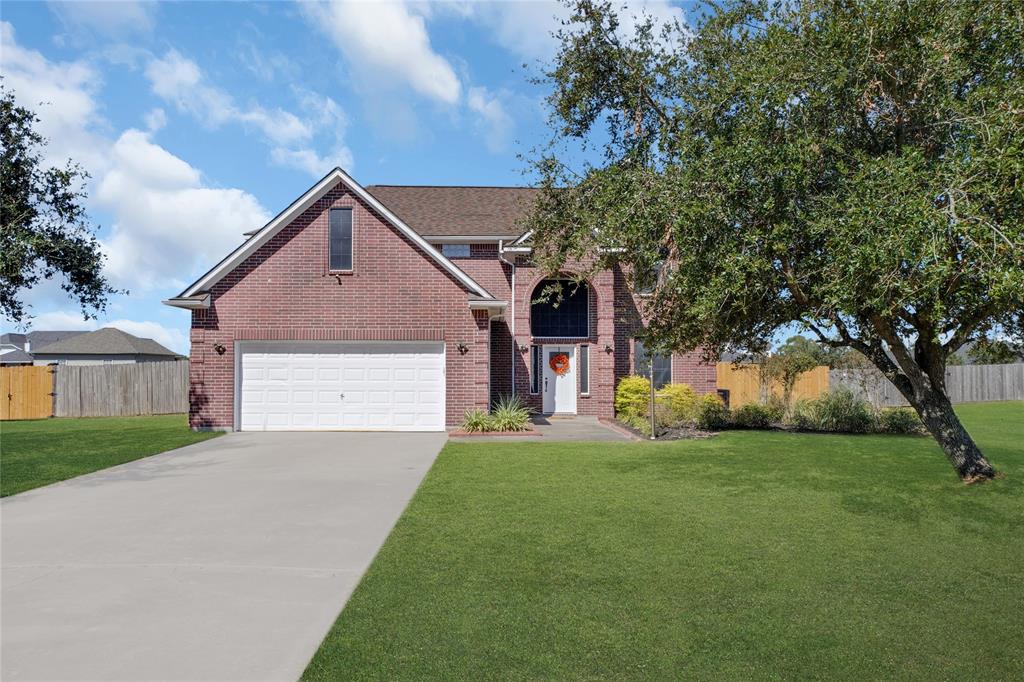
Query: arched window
{"type": "Point", "coordinates": [562, 315]}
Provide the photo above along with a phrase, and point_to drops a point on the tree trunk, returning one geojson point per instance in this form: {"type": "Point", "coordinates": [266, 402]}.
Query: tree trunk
{"type": "Point", "coordinates": [941, 421]}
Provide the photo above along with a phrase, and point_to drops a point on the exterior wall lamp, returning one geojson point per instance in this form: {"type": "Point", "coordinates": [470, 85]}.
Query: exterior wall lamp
{"type": "Point", "coordinates": [219, 348]}
{"type": "Point", "coordinates": [463, 348]}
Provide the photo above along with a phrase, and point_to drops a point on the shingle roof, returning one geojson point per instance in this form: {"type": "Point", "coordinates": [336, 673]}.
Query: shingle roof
{"type": "Point", "coordinates": [458, 211]}
{"type": "Point", "coordinates": [15, 357]}
{"type": "Point", "coordinates": [106, 341]}
{"type": "Point", "coordinates": [37, 339]}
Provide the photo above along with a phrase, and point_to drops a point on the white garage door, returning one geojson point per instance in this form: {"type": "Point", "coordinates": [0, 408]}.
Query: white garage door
{"type": "Point", "coordinates": [342, 386]}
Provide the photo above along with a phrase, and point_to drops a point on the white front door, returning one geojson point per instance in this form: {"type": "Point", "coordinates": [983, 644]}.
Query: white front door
{"type": "Point", "coordinates": [559, 389]}
{"type": "Point", "coordinates": [361, 386]}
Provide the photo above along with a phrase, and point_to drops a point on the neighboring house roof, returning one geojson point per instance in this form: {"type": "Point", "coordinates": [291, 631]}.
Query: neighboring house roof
{"type": "Point", "coordinates": [106, 341]}
{"type": "Point", "coordinates": [434, 211]}
{"type": "Point", "coordinates": [37, 339]}
{"type": "Point", "coordinates": [15, 357]}
{"type": "Point", "coordinates": [194, 295]}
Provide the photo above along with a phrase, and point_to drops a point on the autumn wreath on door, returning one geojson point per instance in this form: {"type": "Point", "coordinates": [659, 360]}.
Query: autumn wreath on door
{"type": "Point", "coordinates": [559, 363]}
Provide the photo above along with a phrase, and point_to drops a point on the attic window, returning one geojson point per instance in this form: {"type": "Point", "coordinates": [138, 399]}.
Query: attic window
{"type": "Point", "coordinates": [341, 239]}
{"type": "Point", "coordinates": [455, 250]}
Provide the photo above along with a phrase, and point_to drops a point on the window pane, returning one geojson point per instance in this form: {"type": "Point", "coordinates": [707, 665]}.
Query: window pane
{"type": "Point", "coordinates": [341, 239]}
{"type": "Point", "coordinates": [662, 365]}
{"type": "Point", "coordinates": [565, 318]}
{"type": "Point", "coordinates": [584, 369]}
{"type": "Point", "coordinates": [535, 369]}
{"type": "Point", "coordinates": [455, 250]}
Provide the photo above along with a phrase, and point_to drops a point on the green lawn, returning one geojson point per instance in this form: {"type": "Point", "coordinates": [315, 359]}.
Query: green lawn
{"type": "Point", "coordinates": [747, 556]}
{"type": "Point", "coordinates": [44, 451]}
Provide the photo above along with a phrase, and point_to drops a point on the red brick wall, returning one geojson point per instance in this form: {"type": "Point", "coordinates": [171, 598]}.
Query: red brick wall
{"type": "Point", "coordinates": [284, 292]}
{"type": "Point", "coordinates": [616, 316]}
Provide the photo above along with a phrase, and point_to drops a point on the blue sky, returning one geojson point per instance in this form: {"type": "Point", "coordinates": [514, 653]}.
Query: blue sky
{"type": "Point", "coordinates": [200, 120]}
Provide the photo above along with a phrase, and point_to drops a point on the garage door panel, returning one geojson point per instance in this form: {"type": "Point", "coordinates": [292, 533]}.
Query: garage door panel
{"type": "Point", "coordinates": [386, 386]}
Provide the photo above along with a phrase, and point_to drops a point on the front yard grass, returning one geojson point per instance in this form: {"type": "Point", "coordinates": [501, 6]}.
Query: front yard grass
{"type": "Point", "coordinates": [751, 555]}
{"type": "Point", "coordinates": [39, 452]}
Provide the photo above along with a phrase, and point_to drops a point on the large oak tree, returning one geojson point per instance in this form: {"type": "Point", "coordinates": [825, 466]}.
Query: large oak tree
{"type": "Point", "coordinates": [856, 168]}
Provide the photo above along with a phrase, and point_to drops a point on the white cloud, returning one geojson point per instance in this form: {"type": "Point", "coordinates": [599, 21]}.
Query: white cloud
{"type": "Point", "coordinates": [496, 123]}
{"type": "Point", "coordinates": [156, 119]}
{"type": "Point", "coordinates": [107, 18]}
{"type": "Point", "coordinates": [62, 94]}
{"type": "Point", "coordinates": [180, 81]}
{"type": "Point", "coordinates": [167, 225]}
{"type": "Point", "coordinates": [387, 42]}
{"type": "Point", "coordinates": [525, 28]}
{"type": "Point", "coordinates": [59, 320]}
{"type": "Point", "coordinates": [310, 161]}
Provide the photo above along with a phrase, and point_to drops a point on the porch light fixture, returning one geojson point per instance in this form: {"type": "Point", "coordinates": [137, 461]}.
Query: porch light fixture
{"type": "Point", "coordinates": [219, 347]}
{"type": "Point", "coordinates": [463, 348]}
{"type": "Point", "coordinates": [608, 349]}
{"type": "Point", "coordinates": [523, 348]}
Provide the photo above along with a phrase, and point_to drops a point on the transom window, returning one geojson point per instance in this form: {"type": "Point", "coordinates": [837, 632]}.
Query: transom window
{"type": "Point", "coordinates": [642, 365]}
{"type": "Point", "coordinates": [563, 314]}
{"type": "Point", "coordinates": [341, 239]}
{"type": "Point", "coordinates": [455, 250]}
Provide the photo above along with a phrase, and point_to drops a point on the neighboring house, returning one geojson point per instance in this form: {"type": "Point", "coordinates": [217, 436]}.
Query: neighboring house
{"type": "Point", "coordinates": [101, 347]}
{"type": "Point", "coordinates": [399, 308]}
{"type": "Point", "coordinates": [16, 349]}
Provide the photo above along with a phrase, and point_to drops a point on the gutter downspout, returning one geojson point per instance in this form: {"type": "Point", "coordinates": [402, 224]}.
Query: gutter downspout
{"type": "Point", "coordinates": [512, 326]}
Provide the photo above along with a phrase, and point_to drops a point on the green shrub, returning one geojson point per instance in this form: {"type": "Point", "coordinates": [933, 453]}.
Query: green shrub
{"type": "Point", "coordinates": [775, 409]}
{"type": "Point", "coordinates": [840, 411]}
{"type": "Point", "coordinates": [632, 396]}
{"type": "Point", "coordinates": [753, 416]}
{"type": "Point", "coordinates": [801, 416]}
{"type": "Point", "coordinates": [712, 414]}
{"type": "Point", "coordinates": [679, 402]}
{"type": "Point", "coordinates": [475, 421]}
{"type": "Point", "coordinates": [637, 421]}
{"type": "Point", "coordinates": [900, 420]}
{"type": "Point", "coordinates": [509, 414]}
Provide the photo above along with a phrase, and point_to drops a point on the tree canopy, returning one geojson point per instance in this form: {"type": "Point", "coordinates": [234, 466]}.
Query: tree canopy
{"type": "Point", "coordinates": [44, 229]}
{"type": "Point", "coordinates": [852, 168]}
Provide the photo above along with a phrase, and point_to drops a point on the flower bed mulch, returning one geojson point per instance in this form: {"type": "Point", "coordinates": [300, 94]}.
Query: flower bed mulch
{"type": "Point", "coordinates": [466, 434]}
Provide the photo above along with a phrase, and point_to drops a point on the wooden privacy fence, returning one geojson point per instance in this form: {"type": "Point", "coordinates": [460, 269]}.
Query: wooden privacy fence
{"type": "Point", "coordinates": [964, 384]}
{"type": "Point", "coordinates": [121, 390]}
{"type": "Point", "coordinates": [26, 392]}
{"type": "Point", "coordinates": [744, 383]}
{"type": "Point", "coordinates": [94, 390]}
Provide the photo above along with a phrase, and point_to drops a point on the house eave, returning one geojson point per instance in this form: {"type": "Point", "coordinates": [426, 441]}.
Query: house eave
{"type": "Point", "coordinates": [197, 302]}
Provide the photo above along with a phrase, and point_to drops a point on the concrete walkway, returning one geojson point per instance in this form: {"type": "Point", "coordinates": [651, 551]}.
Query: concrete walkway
{"type": "Point", "coordinates": [226, 560]}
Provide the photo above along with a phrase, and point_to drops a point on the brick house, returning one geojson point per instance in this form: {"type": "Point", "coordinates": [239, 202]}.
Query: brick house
{"type": "Point", "coordinates": [399, 308]}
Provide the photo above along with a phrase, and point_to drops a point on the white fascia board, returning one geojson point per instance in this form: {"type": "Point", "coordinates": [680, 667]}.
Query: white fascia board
{"type": "Point", "coordinates": [522, 238]}
{"type": "Point", "coordinates": [312, 195]}
{"type": "Point", "coordinates": [189, 302]}
{"type": "Point", "coordinates": [456, 239]}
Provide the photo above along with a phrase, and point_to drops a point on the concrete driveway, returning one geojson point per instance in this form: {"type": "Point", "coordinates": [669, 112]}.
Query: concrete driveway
{"type": "Point", "coordinates": [226, 560]}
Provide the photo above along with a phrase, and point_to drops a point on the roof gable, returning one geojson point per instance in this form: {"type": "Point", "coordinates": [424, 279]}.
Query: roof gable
{"type": "Point", "coordinates": [297, 207]}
